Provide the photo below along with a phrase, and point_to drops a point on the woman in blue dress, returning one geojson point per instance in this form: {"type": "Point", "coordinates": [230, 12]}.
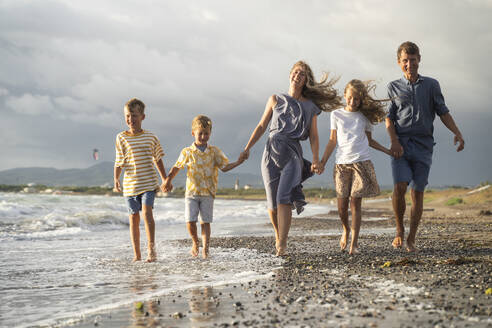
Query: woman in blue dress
{"type": "Point", "coordinates": [293, 118]}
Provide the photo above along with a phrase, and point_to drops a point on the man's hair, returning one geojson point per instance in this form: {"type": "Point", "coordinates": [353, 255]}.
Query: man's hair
{"type": "Point", "coordinates": [408, 47]}
{"type": "Point", "coordinates": [135, 104]}
{"type": "Point", "coordinates": [201, 121]}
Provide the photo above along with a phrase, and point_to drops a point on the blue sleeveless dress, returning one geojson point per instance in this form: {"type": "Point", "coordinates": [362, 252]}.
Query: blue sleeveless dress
{"type": "Point", "coordinates": [282, 162]}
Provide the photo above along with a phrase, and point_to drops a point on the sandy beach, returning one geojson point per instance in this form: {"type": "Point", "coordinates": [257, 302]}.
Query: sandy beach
{"type": "Point", "coordinates": [446, 284]}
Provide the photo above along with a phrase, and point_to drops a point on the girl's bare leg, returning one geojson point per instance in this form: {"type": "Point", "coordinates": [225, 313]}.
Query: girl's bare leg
{"type": "Point", "coordinates": [150, 231]}
{"type": "Point", "coordinates": [273, 219]}
{"type": "Point", "coordinates": [355, 207]}
{"type": "Point", "coordinates": [284, 220]}
{"type": "Point", "coordinates": [191, 226]}
{"type": "Point", "coordinates": [343, 204]}
{"type": "Point", "coordinates": [135, 236]}
{"type": "Point", "coordinates": [205, 239]}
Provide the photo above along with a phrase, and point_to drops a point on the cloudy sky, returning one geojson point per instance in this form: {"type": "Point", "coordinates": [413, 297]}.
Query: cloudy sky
{"type": "Point", "coordinates": [68, 67]}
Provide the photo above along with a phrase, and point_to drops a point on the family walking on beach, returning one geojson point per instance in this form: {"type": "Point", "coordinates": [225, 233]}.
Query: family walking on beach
{"type": "Point", "coordinates": [409, 112]}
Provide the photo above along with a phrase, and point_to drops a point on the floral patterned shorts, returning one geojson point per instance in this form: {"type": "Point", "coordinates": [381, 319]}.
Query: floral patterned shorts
{"type": "Point", "coordinates": [355, 180]}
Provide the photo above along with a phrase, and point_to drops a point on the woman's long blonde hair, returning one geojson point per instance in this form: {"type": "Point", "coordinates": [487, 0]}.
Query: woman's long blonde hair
{"type": "Point", "coordinates": [373, 109]}
{"type": "Point", "coordinates": [321, 93]}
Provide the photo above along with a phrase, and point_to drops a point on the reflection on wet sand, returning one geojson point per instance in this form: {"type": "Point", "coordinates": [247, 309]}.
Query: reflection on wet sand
{"type": "Point", "coordinates": [204, 305]}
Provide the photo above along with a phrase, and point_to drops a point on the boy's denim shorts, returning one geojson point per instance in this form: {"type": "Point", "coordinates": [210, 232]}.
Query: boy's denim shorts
{"type": "Point", "coordinates": [134, 203]}
{"type": "Point", "coordinates": [203, 205]}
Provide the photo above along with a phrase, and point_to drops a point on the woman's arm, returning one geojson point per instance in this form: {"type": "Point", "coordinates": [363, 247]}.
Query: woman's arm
{"type": "Point", "coordinates": [262, 125]}
{"type": "Point", "coordinates": [376, 145]}
{"type": "Point", "coordinates": [314, 141]}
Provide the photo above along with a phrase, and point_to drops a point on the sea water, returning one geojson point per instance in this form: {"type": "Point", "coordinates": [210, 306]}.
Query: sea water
{"type": "Point", "coordinates": [67, 256]}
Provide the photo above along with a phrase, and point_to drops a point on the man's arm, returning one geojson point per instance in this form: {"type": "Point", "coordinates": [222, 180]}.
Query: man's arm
{"type": "Point", "coordinates": [448, 121]}
{"type": "Point", "coordinates": [396, 148]}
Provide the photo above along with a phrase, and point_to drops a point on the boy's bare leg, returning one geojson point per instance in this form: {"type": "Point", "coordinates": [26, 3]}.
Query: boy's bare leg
{"type": "Point", "coordinates": [191, 226]}
{"type": "Point", "coordinates": [273, 219]}
{"type": "Point", "coordinates": [205, 239]}
{"type": "Point", "coordinates": [343, 213]}
{"type": "Point", "coordinates": [284, 217]}
{"type": "Point", "coordinates": [355, 207]}
{"type": "Point", "coordinates": [399, 207]}
{"type": "Point", "coordinates": [150, 230]}
{"type": "Point", "coordinates": [415, 216]}
{"type": "Point", "coordinates": [135, 236]}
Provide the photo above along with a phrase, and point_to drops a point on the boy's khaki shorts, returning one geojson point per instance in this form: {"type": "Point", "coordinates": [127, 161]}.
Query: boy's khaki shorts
{"type": "Point", "coordinates": [203, 205]}
{"type": "Point", "coordinates": [355, 180]}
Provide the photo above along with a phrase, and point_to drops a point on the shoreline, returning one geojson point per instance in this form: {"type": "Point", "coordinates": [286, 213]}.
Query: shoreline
{"type": "Point", "coordinates": [444, 284]}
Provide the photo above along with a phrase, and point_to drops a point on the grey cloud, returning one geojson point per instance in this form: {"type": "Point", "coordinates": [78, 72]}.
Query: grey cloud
{"type": "Point", "coordinates": [75, 64]}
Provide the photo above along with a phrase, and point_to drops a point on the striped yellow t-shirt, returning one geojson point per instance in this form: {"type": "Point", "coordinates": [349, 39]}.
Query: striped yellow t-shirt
{"type": "Point", "coordinates": [136, 154]}
{"type": "Point", "coordinates": [202, 175]}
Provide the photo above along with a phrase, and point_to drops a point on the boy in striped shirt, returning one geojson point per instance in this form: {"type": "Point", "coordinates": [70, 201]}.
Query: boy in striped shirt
{"type": "Point", "coordinates": [137, 151]}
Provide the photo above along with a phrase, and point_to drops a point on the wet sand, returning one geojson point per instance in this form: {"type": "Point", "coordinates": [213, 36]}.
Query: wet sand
{"type": "Point", "coordinates": [443, 285]}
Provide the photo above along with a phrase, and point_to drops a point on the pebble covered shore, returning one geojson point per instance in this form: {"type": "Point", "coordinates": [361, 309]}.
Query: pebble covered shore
{"type": "Point", "coordinates": [446, 284]}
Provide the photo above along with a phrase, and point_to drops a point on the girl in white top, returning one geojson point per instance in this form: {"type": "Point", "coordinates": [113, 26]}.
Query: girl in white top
{"type": "Point", "coordinates": [354, 174]}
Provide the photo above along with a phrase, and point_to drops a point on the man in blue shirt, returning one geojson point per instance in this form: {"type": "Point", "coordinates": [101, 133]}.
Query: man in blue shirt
{"type": "Point", "coordinates": [415, 101]}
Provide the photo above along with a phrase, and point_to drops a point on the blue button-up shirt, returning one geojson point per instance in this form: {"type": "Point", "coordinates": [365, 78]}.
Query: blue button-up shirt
{"type": "Point", "coordinates": [413, 108]}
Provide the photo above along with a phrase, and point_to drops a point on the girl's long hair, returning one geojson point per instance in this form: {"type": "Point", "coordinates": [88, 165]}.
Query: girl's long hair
{"type": "Point", "coordinates": [373, 109]}
{"type": "Point", "coordinates": [321, 93]}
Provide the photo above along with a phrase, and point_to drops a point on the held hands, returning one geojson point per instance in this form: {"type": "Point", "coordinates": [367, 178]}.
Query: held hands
{"type": "Point", "coordinates": [396, 149]}
{"type": "Point", "coordinates": [243, 156]}
{"type": "Point", "coordinates": [166, 185]}
{"type": "Point", "coordinates": [459, 139]}
{"type": "Point", "coordinates": [317, 168]}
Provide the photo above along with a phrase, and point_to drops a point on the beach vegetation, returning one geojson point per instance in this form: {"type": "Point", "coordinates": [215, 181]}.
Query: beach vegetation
{"type": "Point", "coordinates": [454, 201]}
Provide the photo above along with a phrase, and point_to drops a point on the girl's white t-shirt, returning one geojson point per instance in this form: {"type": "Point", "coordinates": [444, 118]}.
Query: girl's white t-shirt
{"type": "Point", "coordinates": [351, 127]}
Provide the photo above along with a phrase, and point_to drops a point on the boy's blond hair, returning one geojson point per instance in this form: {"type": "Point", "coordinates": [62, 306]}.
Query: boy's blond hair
{"type": "Point", "coordinates": [201, 121]}
{"type": "Point", "coordinates": [135, 104]}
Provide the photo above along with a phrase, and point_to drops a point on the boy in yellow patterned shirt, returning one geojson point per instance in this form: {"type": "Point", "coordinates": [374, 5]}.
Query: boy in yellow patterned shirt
{"type": "Point", "coordinates": [202, 161]}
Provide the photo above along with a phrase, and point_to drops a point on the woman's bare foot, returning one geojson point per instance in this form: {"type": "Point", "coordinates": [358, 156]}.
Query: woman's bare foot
{"type": "Point", "coordinates": [194, 250]}
{"type": "Point", "coordinates": [281, 251]}
{"type": "Point", "coordinates": [354, 250]}
{"type": "Point", "coordinates": [397, 242]}
{"type": "Point", "coordinates": [136, 259]}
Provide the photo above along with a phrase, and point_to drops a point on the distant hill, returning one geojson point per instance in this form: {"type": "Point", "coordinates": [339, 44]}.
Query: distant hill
{"type": "Point", "coordinates": [102, 174]}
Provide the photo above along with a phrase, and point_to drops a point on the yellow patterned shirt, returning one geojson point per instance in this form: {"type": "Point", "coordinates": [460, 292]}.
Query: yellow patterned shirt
{"type": "Point", "coordinates": [203, 167]}
{"type": "Point", "coordinates": [136, 154]}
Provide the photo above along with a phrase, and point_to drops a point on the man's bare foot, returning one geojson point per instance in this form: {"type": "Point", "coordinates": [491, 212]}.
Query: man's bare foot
{"type": "Point", "coordinates": [136, 259]}
{"type": "Point", "coordinates": [205, 253]}
{"type": "Point", "coordinates": [194, 250]}
{"type": "Point", "coordinates": [397, 242]}
{"type": "Point", "coordinates": [411, 247]}
{"type": "Point", "coordinates": [343, 240]}
{"type": "Point", "coordinates": [354, 250]}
